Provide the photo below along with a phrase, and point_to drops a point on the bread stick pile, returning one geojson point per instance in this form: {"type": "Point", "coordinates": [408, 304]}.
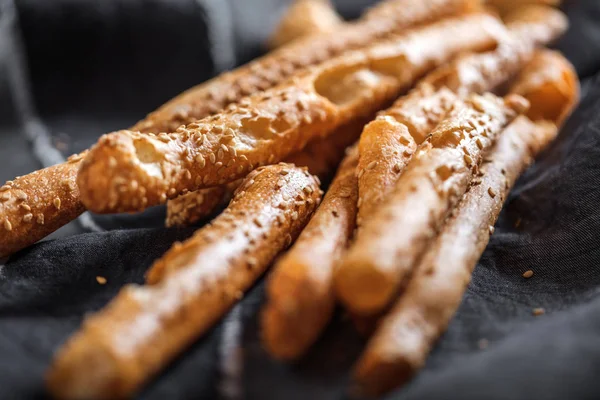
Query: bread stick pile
{"type": "Point", "coordinates": [420, 114]}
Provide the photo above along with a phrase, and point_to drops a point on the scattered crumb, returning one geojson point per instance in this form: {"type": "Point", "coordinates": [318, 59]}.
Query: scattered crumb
{"type": "Point", "coordinates": [483, 344]}
{"type": "Point", "coordinates": [101, 280]}
{"type": "Point", "coordinates": [528, 274]}
{"type": "Point", "coordinates": [538, 311]}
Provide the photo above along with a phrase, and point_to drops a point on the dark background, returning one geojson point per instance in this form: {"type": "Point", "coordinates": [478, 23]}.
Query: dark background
{"type": "Point", "coordinates": [73, 69]}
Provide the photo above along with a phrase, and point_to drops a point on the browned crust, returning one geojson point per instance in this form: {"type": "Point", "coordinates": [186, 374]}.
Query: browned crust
{"type": "Point", "coordinates": [506, 7]}
{"type": "Point", "coordinates": [390, 242]}
{"type": "Point", "coordinates": [321, 157]}
{"type": "Point", "coordinates": [35, 205]}
{"type": "Point", "coordinates": [128, 171]}
{"type": "Point", "coordinates": [300, 298]}
{"type": "Point", "coordinates": [212, 96]}
{"type": "Point", "coordinates": [189, 289]}
{"type": "Point", "coordinates": [304, 18]}
{"type": "Point", "coordinates": [551, 85]}
{"type": "Point", "coordinates": [406, 335]}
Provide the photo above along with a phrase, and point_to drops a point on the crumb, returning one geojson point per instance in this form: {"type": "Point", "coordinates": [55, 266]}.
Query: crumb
{"type": "Point", "coordinates": [527, 274]}
{"type": "Point", "coordinates": [538, 311]}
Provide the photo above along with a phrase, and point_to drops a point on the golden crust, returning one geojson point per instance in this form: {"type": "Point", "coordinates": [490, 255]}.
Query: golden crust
{"type": "Point", "coordinates": [212, 96]}
{"type": "Point", "coordinates": [391, 241]}
{"type": "Point", "coordinates": [321, 157]}
{"type": "Point", "coordinates": [550, 84]}
{"type": "Point", "coordinates": [300, 298]}
{"type": "Point", "coordinates": [35, 205]}
{"type": "Point", "coordinates": [189, 289]}
{"type": "Point", "coordinates": [304, 18]}
{"type": "Point", "coordinates": [507, 7]}
{"type": "Point", "coordinates": [128, 171]}
{"type": "Point", "coordinates": [537, 24]}
{"type": "Point", "coordinates": [406, 335]}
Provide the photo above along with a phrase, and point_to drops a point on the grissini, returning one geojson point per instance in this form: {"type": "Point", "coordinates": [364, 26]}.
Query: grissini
{"type": "Point", "coordinates": [34, 205]}
{"type": "Point", "coordinates": [300, 298]}
{"type": "Point", "coordinates": [129, 171]}
{"type": "Point", "coordinates": [304, 18]}
{"type": "Point", "coordinates": [211, 97]}
{"type": "Point", "coordinates": [321, 157]}
{"type": "Point", "coordinates": [388, 244]}
{"type": "Point", "coordinates": [388, 18]}
{"type": "Point", "coordinates": [404, 338]}
{"type": "Point", "coordinates": [144, 327]}
{"type": "Point", "coordinates": [409, 331]}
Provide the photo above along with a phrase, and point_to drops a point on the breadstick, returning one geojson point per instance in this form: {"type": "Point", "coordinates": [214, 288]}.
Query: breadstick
{"type": "Point", "coordinates": [305, 18]}
{"type": "Point", "coordinates": [128, 171]}
{"type": "Point", "coordinates": [321, 157]}
{"type": "Point", "coordinates": [35, 205]}
{"type": "Point", "coordinates": [406, 335]}
{"type": "Point", "coordinates": [119, 348]}
{"type": "Point", "coordinates": [389, 18]}
{"type": "Point", "coordinates": [550, 84]}
{"type": "Point", "coordinates": [211, 97]}
{"type": "Point", "coordinates": [300, 298]}
{"type": "Point", "coordinates": [391, 241]}
{"type": "Point", "coordinates": [432, 296]}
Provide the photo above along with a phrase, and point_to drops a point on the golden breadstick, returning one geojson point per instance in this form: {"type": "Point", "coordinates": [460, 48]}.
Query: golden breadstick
{"type": "Point", "coordinates": [305, 18]}
{"type": "Point", "coordinates": [300, 298]}
{"type": "Point", "coordinates": [537, 24]}
{"type": "Point", "coordinates": [406, 335]}
{"type": "Point", "coordinates": [508, 6]}
{"type": "Point", "coordinates": [391, 241]}
{"type": "Point", "coordinates": [210, 97]}
{"type": "Point", "coordinates": [35, 205]}
{"type": "Point", "coordinates": [550, 84]}
{"type": "Point", "coordinates": [432, 296]}
{"type": "Point", "coordinates": [118, 349]}
{"type": "Point", "coordinates": [128, 171]}
{"type": "Point", "coordinates": [321, 157]}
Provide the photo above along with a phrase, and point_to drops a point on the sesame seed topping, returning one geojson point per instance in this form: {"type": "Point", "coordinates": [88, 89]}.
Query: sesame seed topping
{"type": "Point", "coordinates": [212, 158]}
{"type": "Point", "coordinates": [220, 154]}
{"type": "Point", "coordinates": [56, 203]}
{"type": "Point", "coordinates": [397, 168]}
{"type": "Point", "coordinates": [468, 160]}
{"type": "Point", "coordinates": [4, 188]}
{"type": "Point", "coordinates": [5, 196]}
{"type": "Point", "coordinates": [491, 229]}
{"type": "Point", "coordinates": [527, 274]}
{"type": "Point", "coordinates": [7, 225]}
{"type": "Point", "coordinates": [25, 207]}
{"type": "Point", "coordinates": [27, 217]}
{"type": "Point", "coordinates": [491, 192]}
{"type": "Point", "coordinates": [200, 161]}
{"type": "Point", "coordinates": [294, 215]}
{"type": "Point", "coordinates": [360, 173]}
{"type": "Point", "coordinates": [372, 165]}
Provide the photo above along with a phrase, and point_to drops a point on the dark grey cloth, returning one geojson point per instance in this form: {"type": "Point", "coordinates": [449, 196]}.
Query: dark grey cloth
{"type": "Point", "coordinates": [98, 66]}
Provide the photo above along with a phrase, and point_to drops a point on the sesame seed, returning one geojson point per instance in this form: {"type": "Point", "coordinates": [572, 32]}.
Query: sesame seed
{"type": "Point", "coordinates": [7, 225]}
{"type": "Point", "coordinates": [361, 173]}
{"type": "Point", "coordinates": [201, 161]}
{"type": "Point", "coordinates": [112, 162]}
{"type": "Point", "coordinates": [479, 143]}
{"type": "Point", "coordinates": [397, 168]}
{"type": "Point", "coordinates": [527, 274]}
{"type": "Point", "coordinates": [243, 158]}
{"type": "Point", "coordinates": [4, 188]}
{"type": "Point", "coordinates": [284, 172]}
{"type": "Point", "coordinates": [188, 174]}
{"type": "Point", "coordinates": [491, 229]}
{"type": "Point", "coordinates": [40, 219]}
{"type": "Point", "coordinates": [224, 147]}
{"type": "Point", "coordinates": [25, 207]}
{"type": "Point", "coordinates": [307, 189]}
{"type": "Point", "coordinates": [251, 262]}
{"type": "Point", "coordinates": [491, 192]}
{"type": "Point", "coordinates": [468, 160]}
{"type": "Point", "coordinates": [372, 165]}
{"type": "Point", "coordinates": [56, 203]}
{"type": "Point", "coordinates": [212, 158]}
{"type": "Point", "coordinates": [101, 280]}
{"type": "Point", "coordinates": [538, 311]}
{"type": "Point", "coordinates": [217, 129]}
{"type": "Point", "coordinates": [5, 196]}
{"type": "Point", "coordinates": [27, 217]}
{"type": "Point", "coordinates": [218, 164]}
{"type": "Point", "coordinates": [220, 154]}
{"type": "Point", "coordinates": [294, 215]}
